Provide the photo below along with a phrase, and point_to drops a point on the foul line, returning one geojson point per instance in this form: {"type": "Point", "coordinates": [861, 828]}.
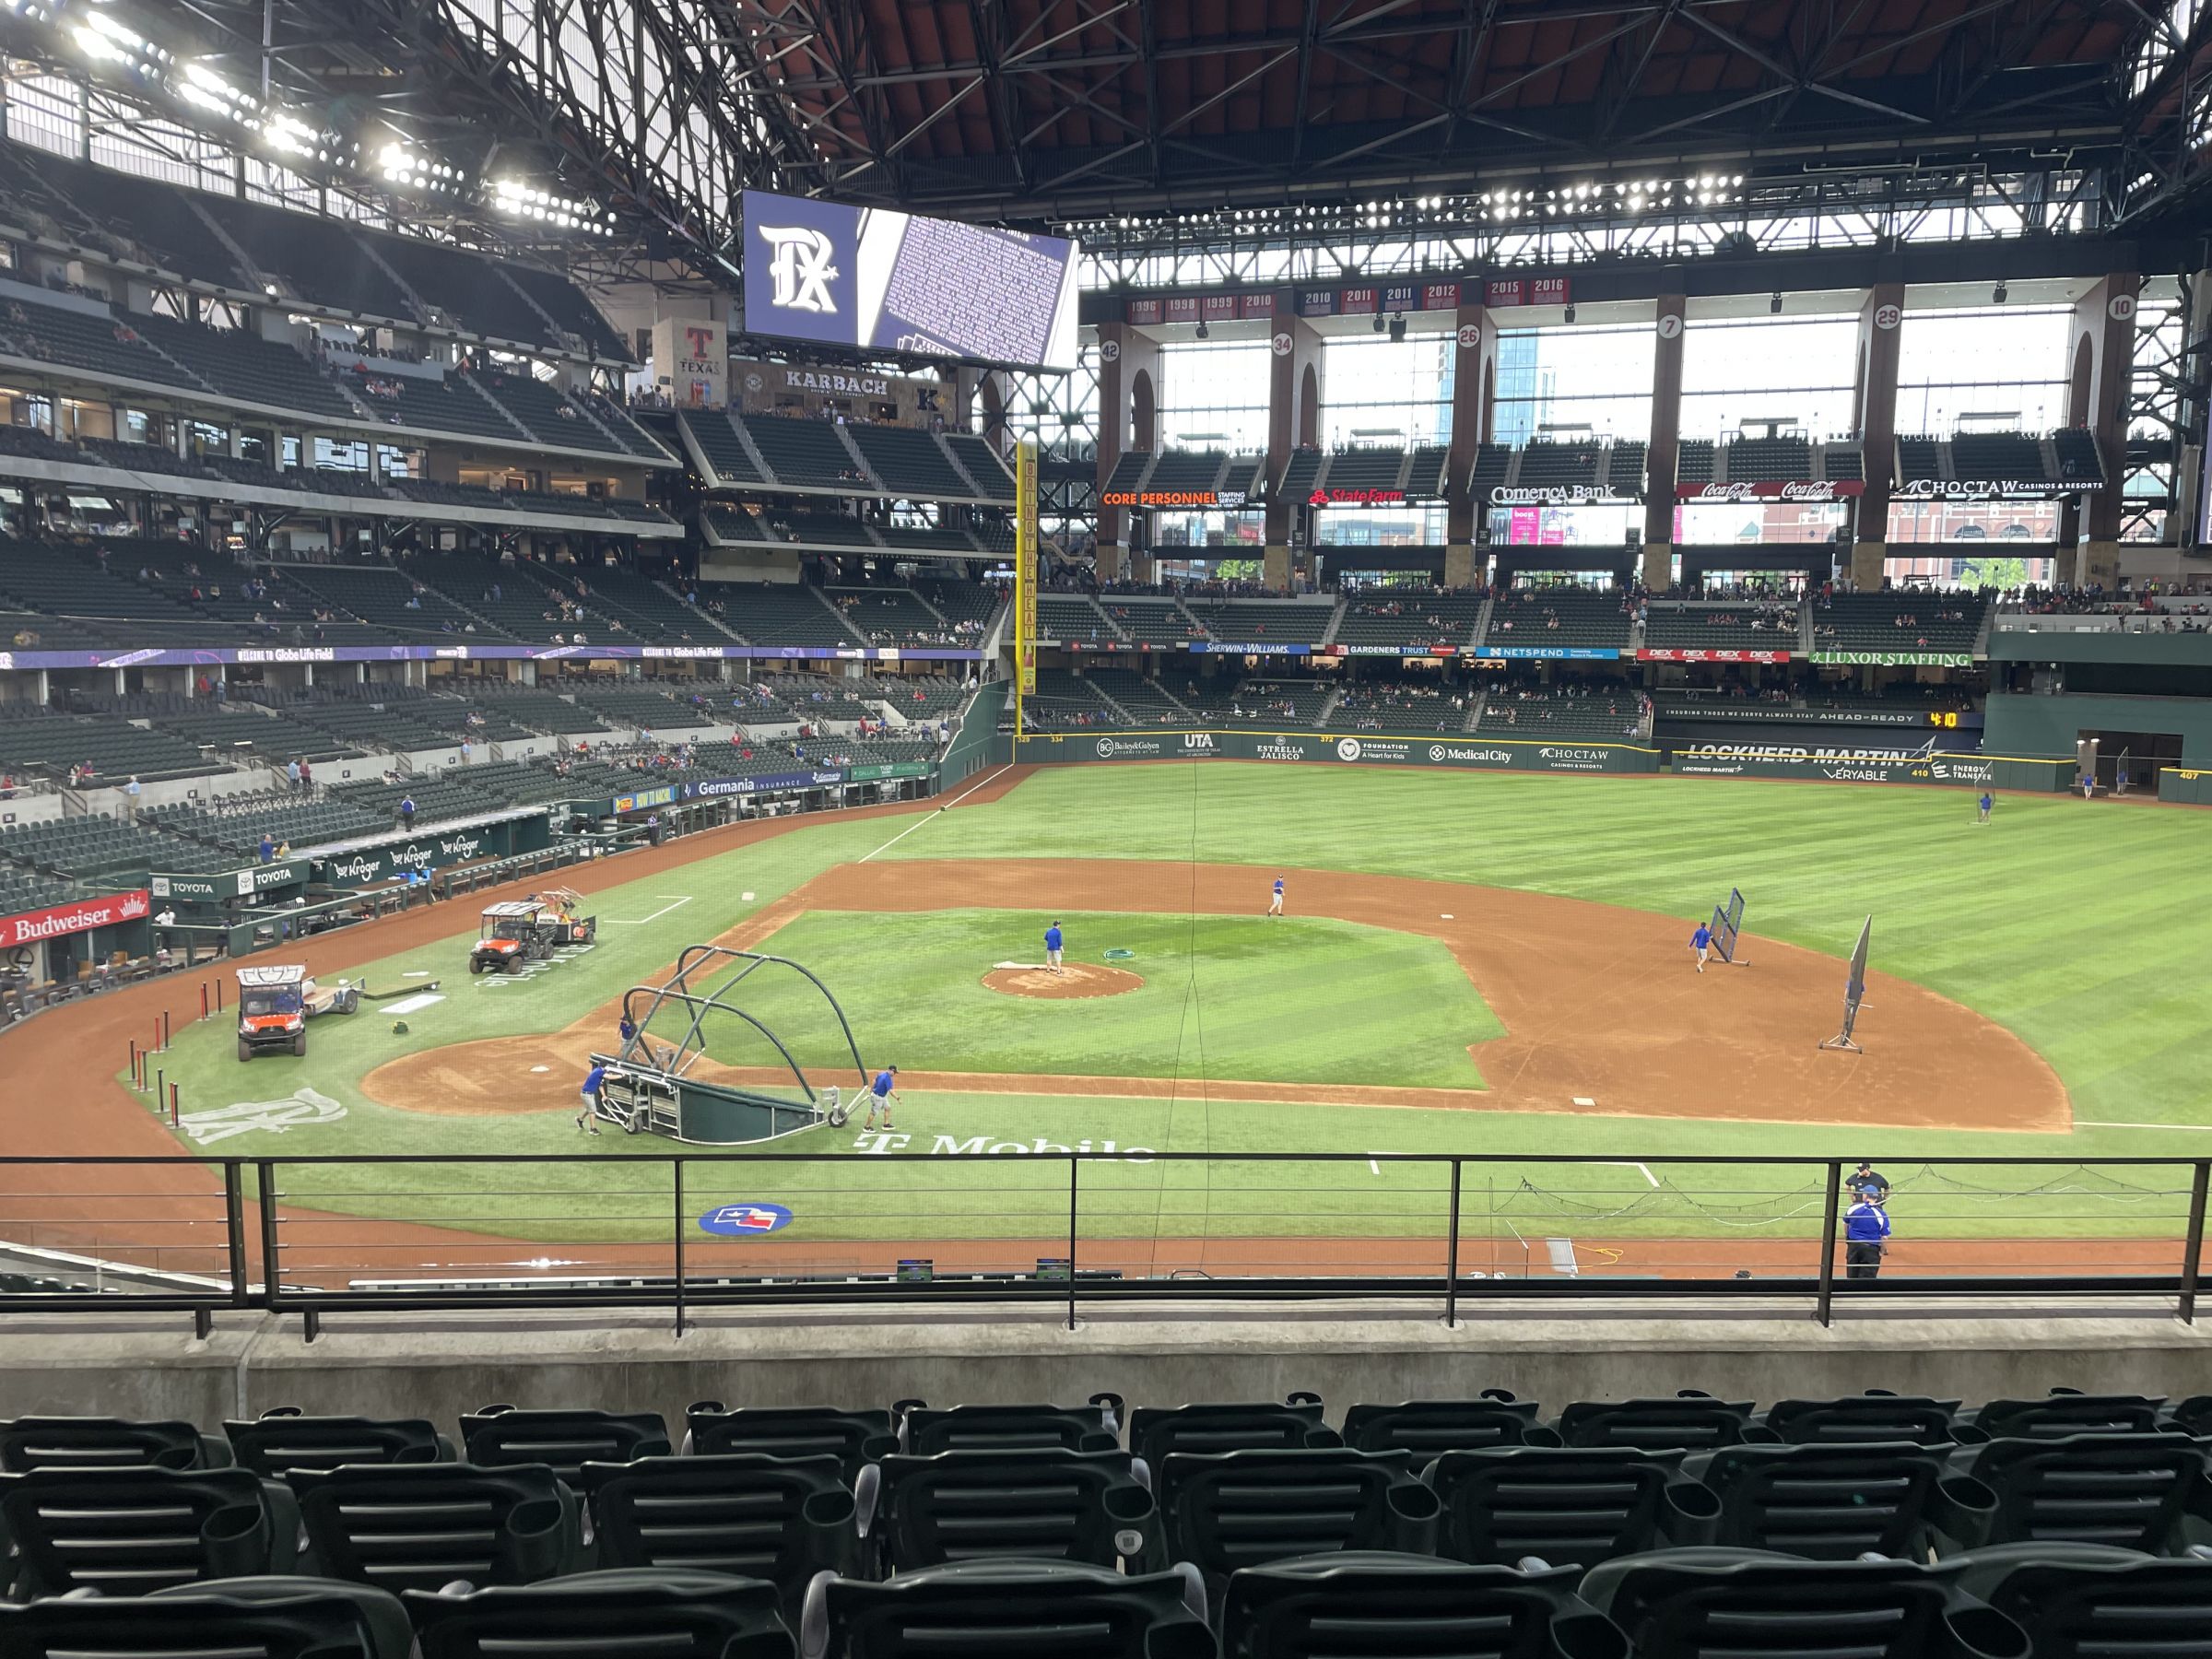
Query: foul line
{"type": "Point", "coordinates": [1627, 1163]}
{"type": "Point", "coordinates": [640, 921]}
{"type": "Point", "coordinates": [926, 817]}
{"type": "Point", "coordinates": [2094, 1123]}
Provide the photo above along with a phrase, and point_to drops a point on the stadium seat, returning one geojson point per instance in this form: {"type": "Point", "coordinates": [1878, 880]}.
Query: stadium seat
{"type": "Point", "coordinates": [2191, 1415]}
{"type": "Point", "coordinates": [1228, 1510]}
{"type": "Point", "coordinates": [282, 1438]}
{"type": "Point", "coordinates": [2062, 1411]}
{"type": "Point", "coordinates": [92, 1442]}
{"type": "Point", "coordinates": [1156, 1431]}
{"type": "Point", "coordinates": [274, 1617]}
{"type": "Point", "coordinates": [1690, 1419]}
{"type": "Point", "coordinates": [2083, 1601]}
{"type": "Point", "coordinates": [1833, 1503]}
{"type": "Point", "coordinates": [653, 1614]}
{"type": "Point", "coordinates": [1428, 1428]}
{"type": "Point", "coordinates": [1580, 1505]}
{"type": "Point", "coordinates": [1009, 1610]}
{"type": "Point", "coordinates": [1370, 1603]}
{"type": "Point", "coordinates": [853, 1438]}
{"type": "Point", "coordinates": [1042, 1501]}
{"type": "Point", "coordinates": [782, 1519]}
{"type": "Point", "coordinates": [2133, 1492]}
{"type": "Point", "coordinates": [500, 1436]}
{"type": "Point", "coordinates": [1698, 1603]}
{"type": "Point", "coordinates": [924, 1432]}
{"type": "Point", "coordinates": [1875, 1415]}
{"type": "Point", "coordinates": [425, 1525]}
{"type": "Point", "coordinates": [139, 1529]}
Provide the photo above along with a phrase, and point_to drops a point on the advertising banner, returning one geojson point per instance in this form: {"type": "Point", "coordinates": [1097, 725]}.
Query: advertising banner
{"type": "Point", "coordinates": [1870, 765]}
{"type": "Point", "coordinates": [866, 277]}
{"type": "Point", "coordinates": [1773, 489]}
{"type": "Point", "coordinates": [27, 927]}
{"type": "Point", "coordinates": [1992, 490]}
{"type": "Point", "coordinates": [1333, 749]}
{"type": "Point", "coordinates": [1440, 296]}
{"type": "Point", "coordinates": [1682, 654]}
{"type": "Point", "coordinates": [1557, 495]}
{"type": "Point", "coordinates": [1547, 654]}
{"type": "Point", "coordinates": [366, 866]}
{"type": "Point", "coordinates": [1892, 659]}
{"type": "Point", "coordinates": [1317, 302]}
{"type": "Point", "coordinates": [213, 888]}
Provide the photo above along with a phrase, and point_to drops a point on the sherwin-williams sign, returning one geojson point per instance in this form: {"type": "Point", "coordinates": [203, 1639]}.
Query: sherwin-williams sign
{"type": "Point", "coordinates": [1327, 748]}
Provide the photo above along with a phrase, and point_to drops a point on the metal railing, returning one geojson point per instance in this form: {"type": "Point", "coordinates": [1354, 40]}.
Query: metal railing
{"type": "Point", "coordinates": [958, 1221]}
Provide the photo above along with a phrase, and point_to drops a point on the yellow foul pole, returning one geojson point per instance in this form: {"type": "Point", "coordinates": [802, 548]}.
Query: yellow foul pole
{"type": "Point", "coordinates": [1025, 581]}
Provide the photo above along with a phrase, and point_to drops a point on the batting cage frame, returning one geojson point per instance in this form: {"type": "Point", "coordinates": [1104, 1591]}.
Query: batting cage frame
{"type": "Point", "coordinates": [1727, 924]}
{"type": "Point", "coordinates": [649, 1088]}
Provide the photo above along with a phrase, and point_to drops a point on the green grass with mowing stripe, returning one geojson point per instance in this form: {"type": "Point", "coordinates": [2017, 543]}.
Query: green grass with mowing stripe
{"type": "Point", "coordinates": [1293, 1000]}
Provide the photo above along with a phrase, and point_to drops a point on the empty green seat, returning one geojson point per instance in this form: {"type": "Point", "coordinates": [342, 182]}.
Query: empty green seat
{"type": "Point", "coordinates": [421, 1526]}
{"type": "Point", "coordinates": [283, 1439]}
{"type": "Point", "coordinates": [1565, 1505]}
{"type": "Point", "coordinates": [1046, 1502]}
{"type": "Point", "coordinates": [1365, 1603]}
{"type": "Point", "coordinates": [1010, 1611]}
{"type": "Point", "coordinates": [648, 1612]}
{"type": "Point", "coordinates": [1428, 1428]}
{"type": "Point", "coordinates": [853, 1438]}
{"type": "Point", "coordinates": [501, 1437]}
{"type": "Point", "coordinates": [1833, 1503]}
{"type": "Point", "coordinates": [128, 1531]}
{"type": "Point", "coordinates": [93, 1442]}
{"type": "Point", "coordinates": [1228, 1510]}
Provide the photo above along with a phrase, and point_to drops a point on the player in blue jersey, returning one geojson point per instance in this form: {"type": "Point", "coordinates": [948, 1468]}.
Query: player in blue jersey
{"type": "Point", "coordinates": [1701, 942]}
{"type": "Point", "coordinates": [1052, 948]}
{"type": "Point", "coordinates": [1274, 901]}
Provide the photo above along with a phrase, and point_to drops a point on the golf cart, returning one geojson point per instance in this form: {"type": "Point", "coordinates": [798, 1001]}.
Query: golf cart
{"type": "Point", "coordinates": [517, 931]}
{"type": "Point", "coordinates": [275, 1003]}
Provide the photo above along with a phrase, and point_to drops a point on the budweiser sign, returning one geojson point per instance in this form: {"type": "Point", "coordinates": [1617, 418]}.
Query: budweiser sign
{"type": "Point", "coordinates": [1773, 489]}
{"type": "Point", "coordinates": [32, 927]}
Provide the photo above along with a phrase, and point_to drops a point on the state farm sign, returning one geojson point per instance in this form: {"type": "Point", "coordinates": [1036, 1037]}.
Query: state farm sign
{"type": "Point", "coordinates": [51, 923]}
{"type": "Point", "coordinates": [1773, 489]}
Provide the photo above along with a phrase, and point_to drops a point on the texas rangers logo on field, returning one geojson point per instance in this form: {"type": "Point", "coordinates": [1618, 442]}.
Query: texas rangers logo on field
{"type": "Point", "coordinates": [302, 1109]}
{"type": "Point", "coordinates": [801, 269]}
{"type": "Point", "coordinates": [745, 1220]}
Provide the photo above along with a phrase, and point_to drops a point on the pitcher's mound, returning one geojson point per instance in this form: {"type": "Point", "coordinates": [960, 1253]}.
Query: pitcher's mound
{"type": "Point", "coordinates": [1076, 979]}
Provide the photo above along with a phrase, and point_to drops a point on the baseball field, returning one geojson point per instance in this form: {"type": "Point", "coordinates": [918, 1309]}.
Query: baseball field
{"type": "Point", "coordinates": [1470, 963]}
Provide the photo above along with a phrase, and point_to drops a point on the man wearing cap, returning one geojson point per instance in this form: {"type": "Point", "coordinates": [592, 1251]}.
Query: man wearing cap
{"type": "Point", "coordinates": [1866, 1233]}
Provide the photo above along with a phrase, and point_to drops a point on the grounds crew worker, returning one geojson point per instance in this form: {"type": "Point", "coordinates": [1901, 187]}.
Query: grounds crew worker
{"type": "Point", "coordinates": [1865, 1235]}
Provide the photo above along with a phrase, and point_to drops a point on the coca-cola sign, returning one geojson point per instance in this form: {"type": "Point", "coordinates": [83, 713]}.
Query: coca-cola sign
{"type": "Point", "coordinates": [1773, 489]}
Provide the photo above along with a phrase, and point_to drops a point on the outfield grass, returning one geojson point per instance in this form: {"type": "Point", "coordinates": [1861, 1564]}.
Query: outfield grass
{"type": "Point", "coordinates": [1294, 1000]}
{"type": "Point", "coordinates": [2079, 926]}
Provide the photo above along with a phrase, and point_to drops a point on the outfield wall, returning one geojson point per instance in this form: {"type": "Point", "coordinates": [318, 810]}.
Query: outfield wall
{"type": "Point", "coordinates": [1871, 764]}
{"type": "Point", "coordinates": [1380, 749]}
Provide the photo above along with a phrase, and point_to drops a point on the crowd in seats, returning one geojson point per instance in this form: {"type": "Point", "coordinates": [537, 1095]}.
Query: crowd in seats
{"type": "Point", "coordinates": [1409, 616]}
{"type": "Point", "coordinates": [1898, 619]}
{"type": "Point", "coordinates": [1065, 701]}
{"type": "Point", "coordinates": [1265, 702]}
{"type": "Point", "coordinates": [961, 600]}
{"type": "Point", "coordinates": [1592, 714]}
{"type": "Point", "coordinates": [1262, 621]}
{"type": "Point", "coordinates": [1754, 625]}
{"type": "Point", "coordinates": [1407, 706]}
{"type": "Point", "coordinates": [1878, 1526]}
{"type": "Point", "coordinates": [1559, 616]}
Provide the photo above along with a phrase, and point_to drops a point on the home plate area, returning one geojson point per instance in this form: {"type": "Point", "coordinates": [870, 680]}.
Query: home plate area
{"type": "Point", "coordinates": [1074, 980]}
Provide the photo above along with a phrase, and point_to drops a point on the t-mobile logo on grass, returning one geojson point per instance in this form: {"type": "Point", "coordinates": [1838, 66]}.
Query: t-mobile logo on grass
{"type": "Point", "coordinates": [882, 1144]}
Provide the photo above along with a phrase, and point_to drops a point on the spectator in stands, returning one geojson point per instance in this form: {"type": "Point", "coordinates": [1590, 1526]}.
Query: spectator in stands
{"type": "Point", "coordinates": [131, 791]}
{"type": "Point", "coordinates": [267, 848]}
{"type": "Point", "coordinates": [291, 774]}
{"type": "Point", "coordinates": [406, 812]}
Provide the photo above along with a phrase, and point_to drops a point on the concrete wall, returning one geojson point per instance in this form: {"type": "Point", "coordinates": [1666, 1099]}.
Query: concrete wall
{"type": "Point", "coordinates": [439, 1369]}
{"type": "Point", "coordinates": [2017, 724]}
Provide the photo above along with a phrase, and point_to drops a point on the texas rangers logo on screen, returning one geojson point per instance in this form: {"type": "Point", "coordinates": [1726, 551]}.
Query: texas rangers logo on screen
{"type": "Point", "coordinates": [801, 268]}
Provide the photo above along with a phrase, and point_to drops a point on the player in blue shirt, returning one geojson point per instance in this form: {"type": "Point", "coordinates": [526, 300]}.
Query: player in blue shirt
{"type": "Point", "coordinates": [1052, 948]}
{"type": "Point", "coordinates": [589, 1117]}
{"type": "Point", "coordinates": [1275, 902]}
{"type": "Point", "coordinates": [1701, 942]}
{"type": "Point", "coordinates": [1986, 805]}
{"type": "Point", "coordinates": [881, 1093]}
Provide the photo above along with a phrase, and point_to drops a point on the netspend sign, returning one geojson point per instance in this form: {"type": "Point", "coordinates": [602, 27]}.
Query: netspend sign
{"type": "Point", "coordinates": [870, 278]}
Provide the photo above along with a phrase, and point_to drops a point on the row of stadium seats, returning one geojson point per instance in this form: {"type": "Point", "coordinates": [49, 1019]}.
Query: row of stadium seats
{"type": "Point", "coordinates": [331, 263]}
{"type": "Point", "coordinates": [1788, 1531]}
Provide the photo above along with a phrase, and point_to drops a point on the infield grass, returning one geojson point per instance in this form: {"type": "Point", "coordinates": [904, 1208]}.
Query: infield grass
{"type": "Point", "coordinates": [2080, 927]}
